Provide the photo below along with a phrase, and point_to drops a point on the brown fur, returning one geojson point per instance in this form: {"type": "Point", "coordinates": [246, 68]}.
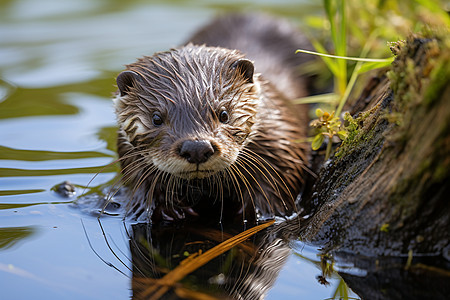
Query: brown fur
{"type": "Point", "coordinates": [256, 166]}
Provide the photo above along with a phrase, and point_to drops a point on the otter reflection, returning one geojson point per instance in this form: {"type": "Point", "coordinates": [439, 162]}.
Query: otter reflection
{"type": "Point", "coordinates": [247, 271]}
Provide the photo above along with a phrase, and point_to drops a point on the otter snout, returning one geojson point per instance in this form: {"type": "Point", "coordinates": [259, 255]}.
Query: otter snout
{"type": "Point", "coordinates": [196, 152]}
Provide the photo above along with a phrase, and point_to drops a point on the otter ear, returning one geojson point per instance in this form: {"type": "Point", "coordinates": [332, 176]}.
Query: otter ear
{"type": "Point", "coordinates": [126, 80]}
{"type": "Point", "coordinates": [245, 67]}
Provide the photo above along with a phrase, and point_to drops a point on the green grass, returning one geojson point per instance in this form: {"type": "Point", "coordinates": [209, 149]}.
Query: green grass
{"type": "Point", "coordinates": [357, 29]}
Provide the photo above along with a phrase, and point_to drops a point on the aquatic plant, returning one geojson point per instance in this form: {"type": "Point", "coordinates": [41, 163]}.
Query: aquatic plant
{"type": "Point", "coordinates": [327, 125]}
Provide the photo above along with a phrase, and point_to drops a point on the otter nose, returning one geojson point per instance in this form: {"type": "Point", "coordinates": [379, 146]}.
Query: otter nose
{"type": "Point", "coordinates": [196, 152]}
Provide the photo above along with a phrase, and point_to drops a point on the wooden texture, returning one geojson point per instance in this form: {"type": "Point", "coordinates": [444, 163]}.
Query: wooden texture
{"type": "Point", "coordinates": [386, 191]}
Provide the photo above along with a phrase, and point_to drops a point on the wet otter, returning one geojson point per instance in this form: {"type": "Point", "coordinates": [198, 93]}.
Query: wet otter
{"type": "Point", "coordinates": [202, 133]}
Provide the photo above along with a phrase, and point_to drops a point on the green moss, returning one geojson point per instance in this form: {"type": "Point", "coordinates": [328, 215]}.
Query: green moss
{"type": "Point", "coordinates": [439, 77]}
{"type": "Point", "coordinates": [384, 227]}
{"type": "Point", "coordinates": [441, 172]}
{"type": "Point", "coordinates": [351, 125]}
{"type": "Point", "coordinates": [357, 132]}
{"type": "Point", "coordinates": [421, 69]}
{"type": "Point", "coordinates": [419, 79]}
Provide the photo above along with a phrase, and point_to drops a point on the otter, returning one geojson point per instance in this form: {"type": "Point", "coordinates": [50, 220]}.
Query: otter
{"type": "Point", "coordinates": [207, 129]}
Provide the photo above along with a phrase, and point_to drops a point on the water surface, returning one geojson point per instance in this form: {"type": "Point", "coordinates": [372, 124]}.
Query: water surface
{"type": "Point", "coordinates": [58, 61]}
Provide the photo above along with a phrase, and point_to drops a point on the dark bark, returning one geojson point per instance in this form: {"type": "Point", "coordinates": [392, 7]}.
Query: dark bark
{"type": "Point", "coordinates": [386, 190]}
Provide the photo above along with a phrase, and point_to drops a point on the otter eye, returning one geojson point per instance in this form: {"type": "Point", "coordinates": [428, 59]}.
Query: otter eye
{"type": "Point", "coordinates": [157, 120]}
{"type": "Point", "coordinates": [223, 116]}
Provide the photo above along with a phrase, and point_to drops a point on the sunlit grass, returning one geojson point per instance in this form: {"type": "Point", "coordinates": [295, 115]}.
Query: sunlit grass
{"type": "Point", "coordinates": [361, 28]}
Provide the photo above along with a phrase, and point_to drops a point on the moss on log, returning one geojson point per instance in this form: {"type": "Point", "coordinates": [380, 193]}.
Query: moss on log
{"type": "Point", "coordinates": [386, 191]}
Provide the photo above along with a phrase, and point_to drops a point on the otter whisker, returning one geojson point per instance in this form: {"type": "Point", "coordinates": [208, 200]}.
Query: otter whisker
{"type": "Point", "coordinates": [151, 191]}
{"type": "Point", "coordinates": [166, 179]}
{"type": "Point", "coordinates": [107, 199]}
{"type": "Point", "coordinates": [250, 190]}
{"type": "Point", "coordinates": [221, 189]}
{"type": "Point", "coordinates": [133, 169]}
{"type": "Point", "coordinates": [126, 172]}
{"type": "Point", "coordinates": [217, 182]}
{"type": "Point", "coordinates": [170, 190]}
{"type": "Point", "coordinates": [235, 182]}
{"type": "Point", "coordinates": [142, 179]}
{"type": "Point", "coordinates": [242, 165]}
{"type": "Point", "coordinates": [273, 179]}
{"type": "Point", "coordinates": [101, 171]}
{"type": "Point", "coordinates": [285, 186]}
{"type": "Point", "coordinates": [247, 157]}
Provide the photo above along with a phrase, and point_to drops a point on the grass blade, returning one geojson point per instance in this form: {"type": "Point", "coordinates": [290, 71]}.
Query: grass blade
{"type": "Point", "coordinates": [378, 60]}
{"type": "Point", "coordinates": [368, 66]}
{"type": "Point", "coordinates": [331, 98]}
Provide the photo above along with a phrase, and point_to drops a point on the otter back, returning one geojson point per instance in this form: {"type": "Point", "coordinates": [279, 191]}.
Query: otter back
{"type": "Point", "coordinates": [271, 43]}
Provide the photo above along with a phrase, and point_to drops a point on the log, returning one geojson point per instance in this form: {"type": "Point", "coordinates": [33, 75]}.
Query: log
{"type": "Point", "coordinates": [386, 190]}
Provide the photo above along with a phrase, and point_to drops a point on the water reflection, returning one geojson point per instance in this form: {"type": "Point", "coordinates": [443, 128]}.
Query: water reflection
{"type": "Point", "coordinates": [392, 278]}
{"type": "Point", "coordinates": [247, 271]}
{"type": "Point", "coordinates": [250, 269]}
{"type": "Point", "coordinates": [11, 236]}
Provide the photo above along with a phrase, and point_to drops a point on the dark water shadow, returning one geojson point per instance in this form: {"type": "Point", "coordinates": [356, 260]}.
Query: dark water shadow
{"type": "Point", "coordinates": [250, 269]}
{"type": "Point", "coordinates": [398, 277]}
{"type": "Point", "coordinates": [246, 271]}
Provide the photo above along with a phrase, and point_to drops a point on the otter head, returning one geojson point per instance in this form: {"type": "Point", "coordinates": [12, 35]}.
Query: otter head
{"type": "Point", "coordinates": [188, 112]}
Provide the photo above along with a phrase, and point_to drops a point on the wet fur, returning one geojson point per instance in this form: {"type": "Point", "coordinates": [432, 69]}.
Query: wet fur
{"type": "Point", "coordinates": [257, 166]}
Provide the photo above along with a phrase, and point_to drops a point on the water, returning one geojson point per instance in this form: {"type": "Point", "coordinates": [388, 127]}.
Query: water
{"type": "Point", "coordinates": [58, 61]}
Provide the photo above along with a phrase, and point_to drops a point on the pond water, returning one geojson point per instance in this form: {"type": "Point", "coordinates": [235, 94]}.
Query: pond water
{"type": "Point", "coordinates": [58, 61]}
